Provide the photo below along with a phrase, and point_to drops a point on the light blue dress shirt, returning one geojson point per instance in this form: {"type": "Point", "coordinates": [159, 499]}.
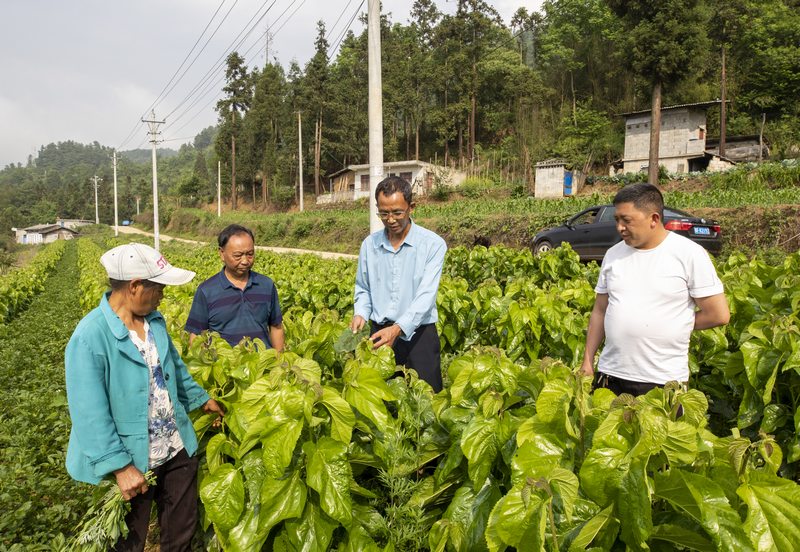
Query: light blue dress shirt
{"type": "Point", "coordinates": [400, 286]}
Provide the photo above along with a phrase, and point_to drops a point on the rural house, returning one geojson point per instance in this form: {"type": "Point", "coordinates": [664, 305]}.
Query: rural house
{"type": "Point", "coordinates": [352, 182]}
{"type": "Point", "coordinates": [682, 143]}
{"type": "Point", "coordinates": [44, 233]}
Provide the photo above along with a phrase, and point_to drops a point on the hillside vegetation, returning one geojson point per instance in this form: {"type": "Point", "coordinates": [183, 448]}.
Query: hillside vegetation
{"type": "Point", "coordinates": [758, 208]}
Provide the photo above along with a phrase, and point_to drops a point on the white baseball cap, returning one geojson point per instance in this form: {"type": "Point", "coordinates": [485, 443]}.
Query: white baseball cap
{"type": "Point", "coordinates": [136, 261]}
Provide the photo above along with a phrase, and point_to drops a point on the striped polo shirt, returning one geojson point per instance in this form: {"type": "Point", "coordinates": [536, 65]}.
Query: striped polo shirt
{"type": "Point", "coordinates": [235, 313]}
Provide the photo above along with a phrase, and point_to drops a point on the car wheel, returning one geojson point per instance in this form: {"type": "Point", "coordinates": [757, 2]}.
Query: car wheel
{"type": "Point", "coordinates": [542, 247]}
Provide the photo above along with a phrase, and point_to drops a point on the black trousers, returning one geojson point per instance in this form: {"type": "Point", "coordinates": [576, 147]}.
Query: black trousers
{"type": "Point", "coordinates": [422, 353]}
{"type": "Point", "coordinates": [175, 494]}
{"type": "Point", "coordinates": [620, 386]}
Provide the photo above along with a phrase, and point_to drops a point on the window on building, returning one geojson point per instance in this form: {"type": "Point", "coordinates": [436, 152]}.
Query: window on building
{"type": "Point", "coordinates": [406, 176]}
{"type": "Point", "coordinates": [364, 182]}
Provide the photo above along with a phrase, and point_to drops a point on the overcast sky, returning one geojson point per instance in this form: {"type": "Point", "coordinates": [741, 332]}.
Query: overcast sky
{"type": "Point", "coordinates": [87, 70]}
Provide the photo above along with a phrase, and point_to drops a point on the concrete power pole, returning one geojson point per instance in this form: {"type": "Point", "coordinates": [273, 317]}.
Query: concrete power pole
{"type": "Point", "coordinates": [300, 156]}
{"type": "Point", "coordinates": [219, 188]}
{"type": "Point", "coordinates": [153, 132]}
{"type": "Point", "coordinates": [96, 211]}
{"type": "Point", "coordinates": [375, 110]}
{"type": "Point", "coordinates": [116, 212]}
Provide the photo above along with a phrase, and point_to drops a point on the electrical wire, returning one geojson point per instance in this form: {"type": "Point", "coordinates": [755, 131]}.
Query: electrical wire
{"type": "Point", "coordinates": [330, 31]}
{"type": "Point", "coordinates": [231, 47]}
{"type": "Point", "coordinates": [215, 84]}
{"type": "Point", "coordinates": [139, 123]}
{"type": "Point", "coordinates": [345, 30]}
{"type": "Point", "coordinates": [162, 95]}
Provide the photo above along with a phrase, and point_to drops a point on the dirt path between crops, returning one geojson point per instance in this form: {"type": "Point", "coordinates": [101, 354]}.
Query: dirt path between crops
{"type": "Point", "coordinates": [291, 250]}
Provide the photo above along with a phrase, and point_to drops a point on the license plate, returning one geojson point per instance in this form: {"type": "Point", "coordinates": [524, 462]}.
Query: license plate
{"type": "Point", "coordinates": [702, 230]}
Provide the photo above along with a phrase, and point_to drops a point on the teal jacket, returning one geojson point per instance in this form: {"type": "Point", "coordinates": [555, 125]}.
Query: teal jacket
{"type": "Point", "coordinates": [108, 390]}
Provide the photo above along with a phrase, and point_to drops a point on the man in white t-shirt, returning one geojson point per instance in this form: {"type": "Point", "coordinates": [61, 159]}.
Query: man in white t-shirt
{"type": "Point", "coordinates": [654, 288]}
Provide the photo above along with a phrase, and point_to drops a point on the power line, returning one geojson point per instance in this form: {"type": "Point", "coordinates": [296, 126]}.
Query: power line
{"type": "Point", "coordinates": [330, 31]}
{"type": "Point", "coordinates": [201, 49]}
{"type": "Point", "coordinates": [288, 18]}
{"type": "Point", "coordinates": [214, 84]}
{"type": "Point", "coordinates": [130, 135]}
{"type": "Point", "coordinates": [178, 139]}
{"type": "Point", "coordinates": [139, 123]}
{"type": "Point", "coordinates": [232, 46]}
{"type": "Point", "coordinates": [345, 30]}
{"type": "Point", "coordinates": [162, 95]}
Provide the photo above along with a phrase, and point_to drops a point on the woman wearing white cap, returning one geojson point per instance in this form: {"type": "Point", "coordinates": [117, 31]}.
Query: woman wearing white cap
{"type": "Point", "coordinates": [129, 393]}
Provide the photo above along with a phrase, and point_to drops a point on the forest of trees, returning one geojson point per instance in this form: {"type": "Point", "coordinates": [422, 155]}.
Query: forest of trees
{"type": "Point", "coordinates": [463, 88]}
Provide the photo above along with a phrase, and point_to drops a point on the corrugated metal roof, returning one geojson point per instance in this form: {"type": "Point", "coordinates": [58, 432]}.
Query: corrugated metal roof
{"type": "Point", "coordinates": [47, 229]}
{"type": "Point", "coordinates": [551, 163]}
{"type": "Point", "coordinates": [676, 106]}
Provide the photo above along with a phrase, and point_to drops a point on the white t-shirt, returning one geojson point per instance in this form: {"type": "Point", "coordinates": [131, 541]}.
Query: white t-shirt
{"type": "Point", "coordinates": [650, 314]}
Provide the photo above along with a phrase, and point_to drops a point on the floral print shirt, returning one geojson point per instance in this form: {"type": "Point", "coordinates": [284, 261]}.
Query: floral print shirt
{"type": "Point", "coordinates": [165, 441]}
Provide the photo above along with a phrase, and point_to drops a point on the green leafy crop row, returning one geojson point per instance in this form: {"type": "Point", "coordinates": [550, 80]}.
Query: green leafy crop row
{"type": "Point", "coordinates": [322, 448]}
{"type": "Point", "coordinates": [18, 287]}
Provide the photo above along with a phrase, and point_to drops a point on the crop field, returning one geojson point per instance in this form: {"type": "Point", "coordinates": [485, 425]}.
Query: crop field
{"type": "Point", "coordinates": [323, 449]}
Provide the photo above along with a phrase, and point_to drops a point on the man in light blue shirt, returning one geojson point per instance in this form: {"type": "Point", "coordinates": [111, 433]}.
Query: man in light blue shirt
{"type": "Point", "coordinates": [397, 282]}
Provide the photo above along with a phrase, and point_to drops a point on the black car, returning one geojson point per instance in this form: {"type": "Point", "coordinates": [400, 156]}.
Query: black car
{"type": "Point", "coordinates": [593, 231]}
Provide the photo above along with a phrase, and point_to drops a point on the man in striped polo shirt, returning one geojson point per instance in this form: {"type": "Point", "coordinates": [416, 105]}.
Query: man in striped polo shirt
{"type": "Point", "coordinates": [237, 302]}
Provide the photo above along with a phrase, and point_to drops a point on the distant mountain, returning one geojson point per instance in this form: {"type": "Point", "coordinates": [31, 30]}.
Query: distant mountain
{"type": "Point", "coordinates": [145, 155]}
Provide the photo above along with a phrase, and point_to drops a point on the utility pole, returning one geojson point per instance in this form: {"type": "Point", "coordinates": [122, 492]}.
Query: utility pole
{"type": "Point", "coordinates": [219, 188]}
{"type": "Point", "coordinates": [137, 204]}
{"type": "Point", "coordinates": [116, 212]}
{"type": "Point", "coordinates": [153, 132]}
{"type": "Point", "coordinates": [375, 109]}
{"type": "Point", "coordinates": [96, 211]}
{"type": "Point", "coordinates": [300, 156]}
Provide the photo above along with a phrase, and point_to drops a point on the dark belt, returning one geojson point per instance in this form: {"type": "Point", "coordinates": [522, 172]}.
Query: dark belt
{"type": "Point", "coordinates": [377, 326]}
{"type": "Point", "coordinates": [604, 380]}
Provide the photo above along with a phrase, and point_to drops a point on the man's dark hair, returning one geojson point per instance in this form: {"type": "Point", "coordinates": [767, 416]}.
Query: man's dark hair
{"type": "Point", "coordinates": [233, 230]}
{"type": "Point", "coordinates": [644, 197]}
{"type": "Point", "coordinates": [392, 185]}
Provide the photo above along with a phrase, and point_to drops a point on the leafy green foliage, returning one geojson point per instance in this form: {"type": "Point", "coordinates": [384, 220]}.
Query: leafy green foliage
{"type": "Point", "coordinates": [38, 498]}
{"type": "Point", "coordinates": [19, 287]}
{"type": "Point", "coordinates": [326, 447]}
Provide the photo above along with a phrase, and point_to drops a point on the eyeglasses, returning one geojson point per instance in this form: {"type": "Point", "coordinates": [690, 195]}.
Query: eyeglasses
{"type": "Point", "coordinates": [383, 215]}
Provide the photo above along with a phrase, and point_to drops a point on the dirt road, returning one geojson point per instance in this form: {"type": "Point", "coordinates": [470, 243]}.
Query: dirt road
{"type": "Point", "coordinates": [323, 254]}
